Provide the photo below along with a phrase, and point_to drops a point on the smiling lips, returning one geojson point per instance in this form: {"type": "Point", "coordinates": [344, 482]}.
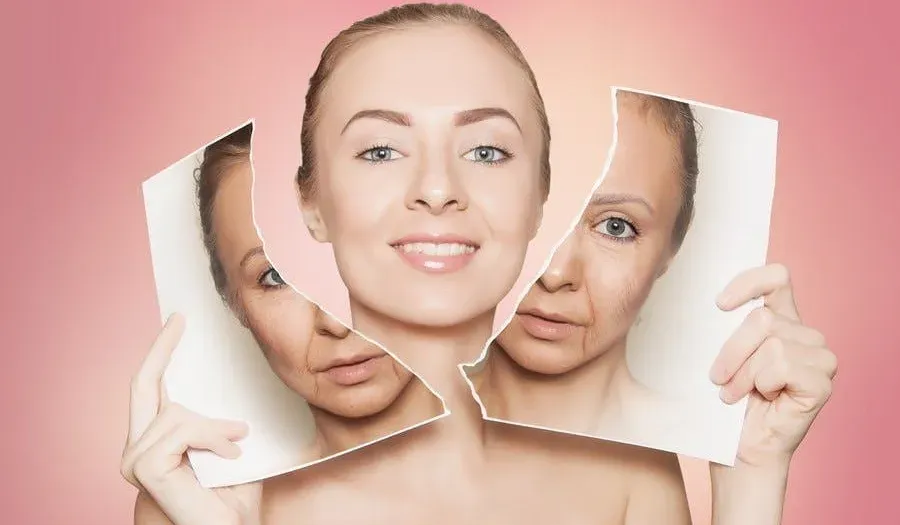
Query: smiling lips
{"type": "Point", "coordinates": [547, 327]}
{"type": "Point", "coordinates": [354, 370]}
{"type": "Point", "coordinates": [436, 253]}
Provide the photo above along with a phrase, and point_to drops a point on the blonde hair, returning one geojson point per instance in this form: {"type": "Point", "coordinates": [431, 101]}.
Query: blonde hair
{"type": "Point", "coordinates": [398, 18]}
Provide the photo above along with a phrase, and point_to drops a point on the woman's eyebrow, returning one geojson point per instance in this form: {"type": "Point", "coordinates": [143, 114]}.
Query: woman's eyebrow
{"type": "Point", "coordinates": [253, 252]}
{"type": "Point", "coordinates": [471, 116]}
{"type": "Point", "coordinates": [387, 115]}
{"type": "Point", "coordinates": [462, 118]}
{"type": "Point", "coordinates": [612, 199]}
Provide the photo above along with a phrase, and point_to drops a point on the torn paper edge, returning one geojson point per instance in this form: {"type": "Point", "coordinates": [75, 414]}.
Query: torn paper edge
{"type": "Point", "coordinates": [445, 411]}
{"type": "Point", "coordinates": [464, 367]}
{"type": "Point", "coordinates": [327, 312]}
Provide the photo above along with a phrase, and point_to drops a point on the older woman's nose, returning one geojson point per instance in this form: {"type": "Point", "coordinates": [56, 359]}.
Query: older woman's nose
{"type": "Point", "coordinates": [329, 326]}
{"type": "Point", "coordinates": [564, 273]}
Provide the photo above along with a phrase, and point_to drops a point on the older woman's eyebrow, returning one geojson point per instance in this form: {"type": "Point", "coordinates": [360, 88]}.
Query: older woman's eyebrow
{"type": "Point", "coordinates": [253, 252]}
{"type": "Point", "coordinates": [471, 116]}
{"type": "Point", "coordinates": [387, 115]}
{"type": "Point", "coordinates": [613, 199]}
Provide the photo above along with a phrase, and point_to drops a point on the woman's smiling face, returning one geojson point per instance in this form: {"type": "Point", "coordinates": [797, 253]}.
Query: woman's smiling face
{"type": "Point", "coordinates": [428, 173]}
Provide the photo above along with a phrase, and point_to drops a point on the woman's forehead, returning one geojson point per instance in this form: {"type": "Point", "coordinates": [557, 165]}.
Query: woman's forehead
{"type": "Point", "coordinates": [411, 70]}
{"type": "Point", "coordinates": [645, 159]}
{"type": "Point", "coordinates": [235, 229]}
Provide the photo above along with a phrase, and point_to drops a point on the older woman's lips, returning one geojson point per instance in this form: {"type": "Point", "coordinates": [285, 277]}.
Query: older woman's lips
{"type": "Point", "coordinates": [354, 373]}
{"type": "Point", "coordinates": [546, 329]}
{"type": "Point", "coordinates": [435, 253]}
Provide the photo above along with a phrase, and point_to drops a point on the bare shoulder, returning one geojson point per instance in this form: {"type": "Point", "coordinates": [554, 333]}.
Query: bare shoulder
{"type": "Point", "coordinates": [607, 481]}
{"type": "Point", "coordinates": [147, 512]}
{"type": "Point", "coordinates": [656, 491]}
{"type": "Point", "coordinates": [304, 490]}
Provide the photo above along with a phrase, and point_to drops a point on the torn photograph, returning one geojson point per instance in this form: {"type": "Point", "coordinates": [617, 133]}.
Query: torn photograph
{"type": "Point", "coordinates": [616, 337]}
{"type": "Point", "coordinates": [254, 349]}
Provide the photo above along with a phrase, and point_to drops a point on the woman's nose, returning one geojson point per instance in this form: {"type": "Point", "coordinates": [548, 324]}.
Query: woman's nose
{"type": "Point", "coordinates": [564, 273]}
{"type": "Point", "coordinates": [437, 187]}
{"type": "Point", "coordinates": [329, 326]}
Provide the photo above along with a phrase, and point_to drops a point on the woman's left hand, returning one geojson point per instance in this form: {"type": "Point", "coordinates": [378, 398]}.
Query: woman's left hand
{"type": "Point", "coordinates": [782, 364]}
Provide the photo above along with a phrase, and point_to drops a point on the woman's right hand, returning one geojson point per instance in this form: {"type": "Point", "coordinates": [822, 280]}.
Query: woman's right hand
{"type": "Point", "coordinates": [159, 436]}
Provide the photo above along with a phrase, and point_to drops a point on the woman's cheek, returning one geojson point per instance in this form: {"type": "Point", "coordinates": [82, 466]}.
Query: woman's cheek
{"type": "Point", "coordinates": [512, 219]}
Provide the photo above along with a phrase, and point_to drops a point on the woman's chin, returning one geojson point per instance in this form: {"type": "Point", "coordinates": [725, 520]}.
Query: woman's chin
{"type": "Point", "coordinates": [543, 363]}
{"type": "Point", "coordinates": [442, 316]}
{"type": "Point", "coordinates": [361, 409]}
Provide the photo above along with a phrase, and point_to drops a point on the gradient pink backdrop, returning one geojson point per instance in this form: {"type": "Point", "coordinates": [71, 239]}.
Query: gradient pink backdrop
{"type": "Point", "coordinates": [100, 96]}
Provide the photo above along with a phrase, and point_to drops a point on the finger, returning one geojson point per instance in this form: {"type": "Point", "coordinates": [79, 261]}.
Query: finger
{"type": "Point", "coordinates": [811, 343]}
{"type": "Point", "coordinates": [771, 379]}
{"type": "Point", "coordinates": [828, 362]}
{"type": "Point", "coordinates": [217, 436]}
{"type": "Point", "coordinates": [167, 454]}
{"type": "Point", "coordinates": [748, 337]}
{"type": "Point", "coordinates": [771, 282]}
{"type": "Point", "coordinates": [775, 356]}
{"type": "Point", "coordinates": [744, 380]}
{"type": "Point", "coordinates": [791, 330]}
{"type": "Point", "coordinates": [165, 423]}
{"type": "Point", "coordinates": [146, 385]}
{"type": "Point", "coordinates": [170, 420]}
{"type": "Point", "coordinates": [807, 386]}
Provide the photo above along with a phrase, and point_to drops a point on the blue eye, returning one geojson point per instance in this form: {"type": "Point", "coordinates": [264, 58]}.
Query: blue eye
{"type": "Point", "coordinates": [617, 228]}
{"type": "Point", "coordinates": [271, 279]}
{"type": "Point", "coordinates": [486, 155]}
{"type": "Point", "coordinates": [380, 154]}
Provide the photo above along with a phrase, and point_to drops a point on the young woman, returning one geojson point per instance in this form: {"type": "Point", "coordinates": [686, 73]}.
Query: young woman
{"type": "Point", "coordinates": [429, 183]}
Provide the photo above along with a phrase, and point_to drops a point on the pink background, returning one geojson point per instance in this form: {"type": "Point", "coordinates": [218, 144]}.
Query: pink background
{"type": "Point", "coordinates": [102, 96]}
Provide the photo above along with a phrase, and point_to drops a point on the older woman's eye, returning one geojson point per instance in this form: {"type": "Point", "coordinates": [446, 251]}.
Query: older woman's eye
{"type": "Point", "coordinates": [486, 155]}
{"type": "Point", "coordinates": [271, 279]}
{"type": "Point", "coordinates": [617, 228]}
{"type": "Point", "coordinates": [380, 154]}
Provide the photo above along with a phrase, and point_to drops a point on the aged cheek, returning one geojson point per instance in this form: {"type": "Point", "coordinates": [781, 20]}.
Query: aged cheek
{"type": "Point", "coordinates": [283, 335]}
{"type": "Point", "coordinates": [293, 357]}
{"type": "Point", "coordinates": [619, 300]}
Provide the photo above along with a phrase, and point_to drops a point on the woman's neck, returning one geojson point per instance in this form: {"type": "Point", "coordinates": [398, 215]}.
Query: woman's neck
{"type": "Point", "coordinates": [434, 354]}
{"type": "Point", "coordinates": [580, 400]}
{"type": "Point", "coordinates": [415, 405]}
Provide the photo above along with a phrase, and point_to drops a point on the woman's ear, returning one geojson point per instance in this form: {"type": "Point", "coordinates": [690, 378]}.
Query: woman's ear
{"type": "Point", "coordinates": [313, 220]}
{"type": "Point", "coordinates": [309, 209]}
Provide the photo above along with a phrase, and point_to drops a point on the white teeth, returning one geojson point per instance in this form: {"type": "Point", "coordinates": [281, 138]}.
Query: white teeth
{"type": "Point", "coordinates": [441, 250]}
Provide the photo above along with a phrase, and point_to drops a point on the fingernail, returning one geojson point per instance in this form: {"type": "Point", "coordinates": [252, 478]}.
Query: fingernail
{"type": "Point", "coordinates": [723, 300]}
{"type": "Point", "coordinates": [725, 396]}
